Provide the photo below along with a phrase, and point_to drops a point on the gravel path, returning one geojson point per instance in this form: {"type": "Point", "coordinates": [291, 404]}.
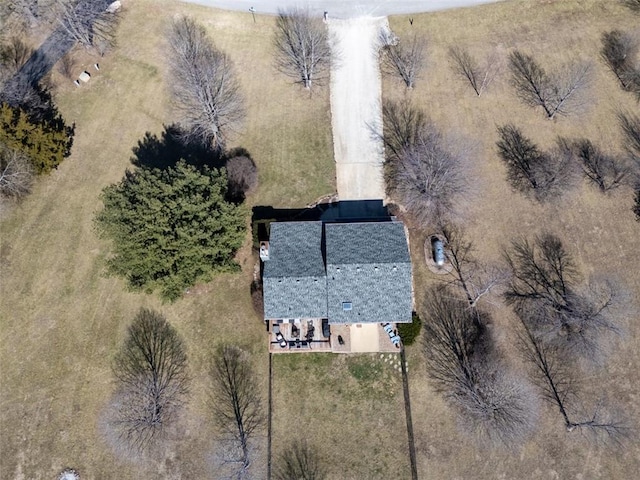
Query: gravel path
{"type": "Point", "coordinates": [355, 107]}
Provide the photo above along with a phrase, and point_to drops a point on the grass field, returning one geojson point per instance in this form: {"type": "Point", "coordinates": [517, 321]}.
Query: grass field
{"type": "Point", "coordinates": [61, 321]}
{"type": "Point", "coordinates": [599, 230]}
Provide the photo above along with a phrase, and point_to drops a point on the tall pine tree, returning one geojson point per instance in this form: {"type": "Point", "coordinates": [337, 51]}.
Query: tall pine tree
{"type": "Point", "coordinates": [171, 228]}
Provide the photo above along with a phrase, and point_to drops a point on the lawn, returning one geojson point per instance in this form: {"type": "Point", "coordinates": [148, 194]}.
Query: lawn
{"type": "Point", "coordinates": [599, 230]}
{"type": "Point", "coordinates": [350, 410]}
{"type": "Point", "coordinates": [61, 320]}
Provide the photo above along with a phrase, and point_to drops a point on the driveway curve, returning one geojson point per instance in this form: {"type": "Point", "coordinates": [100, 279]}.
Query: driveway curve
{"type": "Point", "coordinates": [343, 8]}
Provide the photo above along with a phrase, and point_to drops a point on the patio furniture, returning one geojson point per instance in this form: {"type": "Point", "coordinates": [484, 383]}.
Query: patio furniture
{"type": "Point", "coordinates": [295, 331]}
{"type": "Point", "coordinates": [310, 330]}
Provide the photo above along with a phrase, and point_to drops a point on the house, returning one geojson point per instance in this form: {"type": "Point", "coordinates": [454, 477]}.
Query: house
{"type": "Point", "coordinates": [336, 286]}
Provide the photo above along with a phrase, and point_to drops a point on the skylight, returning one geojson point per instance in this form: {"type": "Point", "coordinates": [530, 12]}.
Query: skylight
{"type": "Point", "coordinates": [346, 306]}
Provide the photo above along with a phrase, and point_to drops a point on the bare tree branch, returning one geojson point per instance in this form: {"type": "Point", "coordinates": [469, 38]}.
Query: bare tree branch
{"type": "Point", "coordinates": [545, 292]}
{"type": "Point", "coordinates": [543, 175]}
{"type": "Point", "coordinates": [555, 378]}
{"type": "Point", "coordinates": [467, 67]}
{"type": "Point", "coordinates": [606, 172]}
{"type": "Point", "coordinates": [403, 125]}
{"type": "Point", "coordinates": [404, 59]}
{"type": "Point", "coordinates": [429, 178]}
{"type": "Point", "coordinates": [475, 279]}
{"type": "Point", "coordinates": [16, 173]}
{"type": "Point", "coordinates": [557, 94]}
{"type": "Point", "coordinates": [462, 362]}
{"type": "Point", "coordinates": [205, 91]}
{"type": "Point", "coordinates": [235, 401]}
{"type": "Point", "coordinates": [151, 369]}
{"type": "Point", "coordinates": [302, 47]}
{"type": "Point", "coordinates": [618, 52]}
{"type": "Point", "coordinates": [89, 22]}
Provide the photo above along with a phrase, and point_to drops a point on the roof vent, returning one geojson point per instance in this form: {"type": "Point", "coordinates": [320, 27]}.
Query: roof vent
{"type": "Point", "coordinates": [347, 306]}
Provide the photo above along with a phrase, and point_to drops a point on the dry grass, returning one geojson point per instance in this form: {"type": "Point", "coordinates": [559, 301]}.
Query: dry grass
{"type": "Point", "coordinates": [350, 409]}
{"type": "Point", "coordinates": [61, 320]}
{"type": "Point", "coordinates": [599, 230]}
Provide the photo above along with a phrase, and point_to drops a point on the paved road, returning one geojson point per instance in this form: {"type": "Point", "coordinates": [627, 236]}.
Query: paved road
{"type": "Point", "coordinates": [343, 8]}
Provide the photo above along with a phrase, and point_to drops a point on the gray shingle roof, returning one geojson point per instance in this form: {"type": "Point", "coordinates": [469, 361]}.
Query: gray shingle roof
{"type": "Point", "coordinates": [374, 242]}
{"type": "Point", "coordinates": [368, 265]}
{"type": "Point", "coordinates": [294, 280]}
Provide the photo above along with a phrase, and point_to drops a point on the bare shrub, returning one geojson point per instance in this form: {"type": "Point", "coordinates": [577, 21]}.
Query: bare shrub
{"type": "Point", "coordinates": [302, 47]}
{"type": "Point", "coordinates": [630, 126]}
{"type": "Point", "coordinates": [299, 461]}
{"type": "Point", "coordinates": [470, 69]}
{"type": "Point", "coordinates": [151, 370]}
{"type": "Point", "coordinates": [242, 175]}
{"type": "Point", "coordinates": [16, 173]}
{"type": "Point", "coordinates": [557, 94]}
{"type": "Point", "coordinates": [404, 59]}
{"type": "Point", "coordinates": [205, 90]}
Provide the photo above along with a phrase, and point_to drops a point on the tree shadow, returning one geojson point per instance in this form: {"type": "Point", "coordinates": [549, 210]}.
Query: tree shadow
{"type": "Point", "coordinates": [168, 149]}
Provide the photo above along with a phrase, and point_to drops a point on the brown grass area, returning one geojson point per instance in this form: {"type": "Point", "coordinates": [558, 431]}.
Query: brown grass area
{"type": "Point", "coordinates": [599, 230]}
{"type": "Point", "coordinates": [348, 407]}
{"type": "Point", "coordinates": [61, 321]}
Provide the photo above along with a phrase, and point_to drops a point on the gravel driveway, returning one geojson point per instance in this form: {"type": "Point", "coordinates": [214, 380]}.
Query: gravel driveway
{"type": "Point", "coordinates": [355, 107]}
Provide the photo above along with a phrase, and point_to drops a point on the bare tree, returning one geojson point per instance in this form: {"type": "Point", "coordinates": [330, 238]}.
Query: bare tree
{"type": "Point", "coordinates": [463, 364]}
{"type": "Point", "coordinates": [299, 461]}
{"type": "Point", "coordinates": [546, 291]}
{"type": "Point", "coordinates": [404, 60]}
{"type": "Point", "coordinates": [403, 124]}
{"type": "Point", "coordinates": [543, 175]}
{"type": "Point", "coordinates": [630, 126]}
{"type": "Point", "coordinates": [242, 175]}
{"type": "Point", "coordinates": [636, 204]}
{"type": "Point", "coordinates": [430, 179]}
{"type": "Point", "coordinates": [557, 94]}
{"type": "Point", "coordinates": [555, 378]}
{"type": "Point", "coordinates": [302, 47]}
{"type": "Point", "coordinates": [606, 172]}
{"type": "Point", "coordinates": [205, 90]}
{"type": "Point", "coordinates": [16, 173]}
{"type": "Point", "coordinates": [89, 22]}
{"type": "Point", "coordinates": [475, 279]}
{"type": "Point", "coordinates": [151, 370]}
{"type": "Point", "coordinates": [469, 68]}
{"type": "Point", "coordinates": [618, 52]}
{"type": "Point", "coordinates": [235, 401]}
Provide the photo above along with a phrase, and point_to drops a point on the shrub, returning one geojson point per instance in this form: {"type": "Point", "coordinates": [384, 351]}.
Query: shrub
{"type": "Point", "coordinates": [410, 331]}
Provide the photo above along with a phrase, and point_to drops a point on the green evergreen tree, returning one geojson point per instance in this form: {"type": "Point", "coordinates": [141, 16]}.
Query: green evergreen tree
{"type": "Point", "coordinates": [171, 228]}
{"type": "Point", "coordinates": [47, 142]}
